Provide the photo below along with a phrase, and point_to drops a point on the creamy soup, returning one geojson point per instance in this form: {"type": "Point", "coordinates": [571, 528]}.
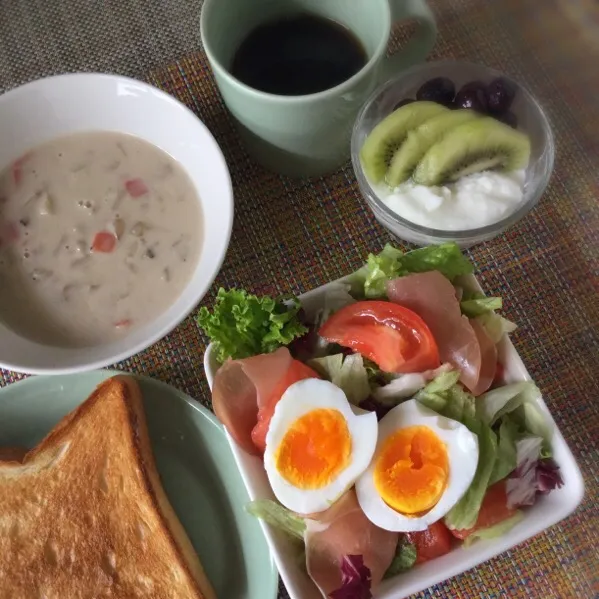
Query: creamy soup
{"type": "Point", "coordinates": [99, 233]}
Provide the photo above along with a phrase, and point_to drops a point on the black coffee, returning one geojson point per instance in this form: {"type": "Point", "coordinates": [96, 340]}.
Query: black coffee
{"type": "Point", "coordinates": [297, 55]}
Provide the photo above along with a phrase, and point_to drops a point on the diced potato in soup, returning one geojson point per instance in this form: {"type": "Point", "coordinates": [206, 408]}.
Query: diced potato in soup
{"type": "Point", "coordinates": [99, 233]}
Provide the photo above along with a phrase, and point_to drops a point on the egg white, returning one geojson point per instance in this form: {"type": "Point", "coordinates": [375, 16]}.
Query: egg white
{"type": "Point", "coordinates": [299, 399]}
{"type": "Point", "coordinates": [462, 454]}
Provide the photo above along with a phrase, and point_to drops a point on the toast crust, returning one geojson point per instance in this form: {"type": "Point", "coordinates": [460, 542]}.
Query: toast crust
{"type": "Point", "coordinates": [85, 515]}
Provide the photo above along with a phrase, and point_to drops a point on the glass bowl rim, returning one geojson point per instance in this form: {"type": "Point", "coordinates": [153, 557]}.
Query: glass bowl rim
{"type": "Point", "coordinates": [458, 234]}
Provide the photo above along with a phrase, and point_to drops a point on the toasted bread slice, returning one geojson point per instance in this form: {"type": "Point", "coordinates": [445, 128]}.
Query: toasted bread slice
{"type": "Point", "coordinates": [84, 514]}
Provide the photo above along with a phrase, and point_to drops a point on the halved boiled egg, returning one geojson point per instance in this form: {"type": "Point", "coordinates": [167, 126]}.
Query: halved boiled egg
{"type": "Point", "coordinates": [422, 466]}
{"type": "Point", "coordinates": [316, 446]}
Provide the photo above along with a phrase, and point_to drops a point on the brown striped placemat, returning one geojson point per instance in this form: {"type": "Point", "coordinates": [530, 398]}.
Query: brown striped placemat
{"type": "Point", "coordinates": [291, 236]}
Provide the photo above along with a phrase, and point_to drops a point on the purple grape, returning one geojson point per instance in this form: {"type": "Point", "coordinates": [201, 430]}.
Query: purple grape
{"type": "Point", "coordinates": [472, 95]}
{"type": "Point", "coordinates": [439, 89]}
{"type": "Point", "coordinates": [509, 118]}
{"type": "Point", "coordinates": [500, 95]}
{"type": "Point", "coordinates": [403, 103]}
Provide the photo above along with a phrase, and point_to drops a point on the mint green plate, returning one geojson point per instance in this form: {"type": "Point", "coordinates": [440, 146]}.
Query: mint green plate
{"type": "Point", "coordinates": [196, 466]}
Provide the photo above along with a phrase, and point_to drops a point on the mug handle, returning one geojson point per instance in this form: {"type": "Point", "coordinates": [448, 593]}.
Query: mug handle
{"type": "Point", "coordinates": [421, 43]}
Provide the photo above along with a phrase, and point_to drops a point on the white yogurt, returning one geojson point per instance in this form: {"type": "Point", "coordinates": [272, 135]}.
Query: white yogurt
{"type": "Point", "coordinates": [473, 201]}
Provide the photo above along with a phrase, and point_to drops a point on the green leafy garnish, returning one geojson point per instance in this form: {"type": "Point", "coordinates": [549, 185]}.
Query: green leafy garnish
{"type": "Point", "coordinates": [482, 305]}
{"type": "Point", "coordinates": [442, 383]}
{"type": "Point", "coordinates": [243, 325]}
{"type": "Point", "coordinates": [347, 372]}
{"type": "Point", "coordinates": [506, 461]}
{"type": "Point", "coordinates": [447, 258]}
{"type": "Point", "coordinates": [520, 400]}
{"type": "Point", "coordinates": [461, 407]}
{"type": "Point", "coordinates": [476, 305]}
{"type": "Point", "coordinates": [278, 516]}
{"type": "Point", "coordinates": [433, 401]}
{"type": "Point", "coordinates": [371, 280]}
{"type": "Point", "coordinates": [496, 326]}
{"type": "Point", "coordinates": [464, 513]}
{"type": "Point", "coordinates": [405, 558]}
{"type": "Point", "coordinates": [435, 394]}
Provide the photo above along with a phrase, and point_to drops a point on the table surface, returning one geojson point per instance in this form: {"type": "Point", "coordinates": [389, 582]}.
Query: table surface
{"type": "Point", "coordinates": [291, 235]}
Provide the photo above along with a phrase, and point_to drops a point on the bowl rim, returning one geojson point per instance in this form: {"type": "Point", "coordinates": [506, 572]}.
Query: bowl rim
{"type": "Point", "coordinates": [445, 234]}
{"type": "Point", "coordinates": [227, 204]}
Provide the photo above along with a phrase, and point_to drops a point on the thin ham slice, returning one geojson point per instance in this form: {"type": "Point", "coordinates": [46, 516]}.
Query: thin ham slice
{"type": "Point", "coordinates": [433, 298]}
{"type": "Point", "coordinates": [342, 530]}
{"type": "Point", "coordinates": [240, 389]}
{"type": "Point", "coordinates": [488, 365]}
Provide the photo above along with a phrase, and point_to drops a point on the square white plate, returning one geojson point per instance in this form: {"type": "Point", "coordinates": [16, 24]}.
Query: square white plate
{"type": "Point", "coordinates": [548, 510]}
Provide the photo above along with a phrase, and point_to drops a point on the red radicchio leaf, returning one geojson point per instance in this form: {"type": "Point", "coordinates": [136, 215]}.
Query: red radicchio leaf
{"type": "Point", "coordinates": [355, 579]}
{"type": "Point", "coordinates": [548, 476]}
{"type": "Point", "coordinates": [533, 478]}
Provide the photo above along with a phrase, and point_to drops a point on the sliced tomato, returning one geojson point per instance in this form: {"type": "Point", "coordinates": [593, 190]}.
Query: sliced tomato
{"type": "Point", "coordinates": [298, 371]}
{"type": "Point", "coordinates": [433, 542]}
{"type": "Point", "coordinates": [136, 187]}
{"type": "Point", "coordinates": [493, 510]}
{"type": "Point", "coordinates": [104, 242]}
{"type": "Point", "coordinates": [392, 336]}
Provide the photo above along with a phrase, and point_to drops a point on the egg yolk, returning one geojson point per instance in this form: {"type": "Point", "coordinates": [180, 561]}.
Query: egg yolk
{"type": "Point", "coordinates": [315, 449]}
{"type": "Point", "coordinates": [411, 470]}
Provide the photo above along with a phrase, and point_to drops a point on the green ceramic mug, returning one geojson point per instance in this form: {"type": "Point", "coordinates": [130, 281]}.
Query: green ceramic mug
{"type": "Point", "coordinates": [308, 135]}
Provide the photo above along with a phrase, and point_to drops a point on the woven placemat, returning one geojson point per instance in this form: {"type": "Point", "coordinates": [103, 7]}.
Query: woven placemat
{"type": "Point", "coordinates": [291, 236]}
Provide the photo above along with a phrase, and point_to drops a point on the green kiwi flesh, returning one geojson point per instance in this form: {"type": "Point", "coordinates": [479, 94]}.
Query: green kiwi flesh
{"type": "Point", "coordinates": [478, 145]}
{"type": "Point", "coordinates": [419, 140]}
{"type": "Point", "coordinates": [390, 133]}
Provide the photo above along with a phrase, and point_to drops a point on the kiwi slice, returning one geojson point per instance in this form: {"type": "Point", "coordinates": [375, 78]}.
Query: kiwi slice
{"type": "Point", "coordinates": [419, 140]}
{"type": "Point", "coordinates": [390, 133]}
{"type": "Point", "coordinates": [478, 145]}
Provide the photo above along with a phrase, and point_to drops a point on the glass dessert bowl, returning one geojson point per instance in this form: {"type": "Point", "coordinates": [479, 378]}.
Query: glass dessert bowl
{"type": "Point", "coordinates": [476, 155]}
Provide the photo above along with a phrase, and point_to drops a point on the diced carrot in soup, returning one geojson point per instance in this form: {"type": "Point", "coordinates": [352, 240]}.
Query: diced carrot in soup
{"type": "Point", "coordinates": [104, 242]}
{"type": "Point", "coordinates": [136, 187]}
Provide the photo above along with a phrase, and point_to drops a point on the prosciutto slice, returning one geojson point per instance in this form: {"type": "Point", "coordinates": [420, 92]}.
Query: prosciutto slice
{"type": "Point", "coordinates": [342, 530]}
{"type": "Point", "coordinates": [488, 364]}
{"type": "Point", "coordinates": [433, 298]}
{"type": "Point", "coordinates": [241, 387]}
